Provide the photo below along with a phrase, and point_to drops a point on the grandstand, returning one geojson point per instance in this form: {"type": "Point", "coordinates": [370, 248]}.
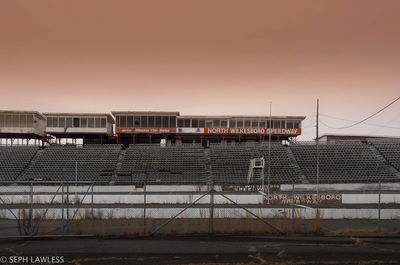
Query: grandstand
{"type": "Point", "coordinates": [389, 148]}
{"type": "Point", "coordinates": [344, 162]}
{"type": "Point", "coordinates": [341, 162]}
{"type": "Point", "coordinates": [140, 147]}
{"type": "Point", "coordinates": [164, 164]}
{"type": "Point", "coordinates": [14, 159]}
{"type": "Point", "coordinates": [70, 163]}
{"type": "Point", "coordinates": [230, 164]}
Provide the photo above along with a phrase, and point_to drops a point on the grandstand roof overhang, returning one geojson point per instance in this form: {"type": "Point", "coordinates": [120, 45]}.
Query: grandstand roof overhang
{"type": "Point", "coordinates": [35, 113]}
{"type": "Point", "coordinates": [165, 113]}
{"type": "Point", "coordinates": [110, 118]}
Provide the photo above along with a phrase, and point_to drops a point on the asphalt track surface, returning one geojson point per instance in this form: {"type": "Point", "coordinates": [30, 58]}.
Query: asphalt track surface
{"type": "Point", "coordinates": [211, 250]}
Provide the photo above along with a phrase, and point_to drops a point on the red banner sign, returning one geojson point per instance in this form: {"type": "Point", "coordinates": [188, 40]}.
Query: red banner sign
{"type": "Point", "coordinates": [252, 131]}
{"type": "Point", "coordinates": [146, 130]}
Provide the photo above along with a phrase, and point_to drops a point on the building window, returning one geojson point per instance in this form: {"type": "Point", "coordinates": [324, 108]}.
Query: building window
{"type": "Point", "coordinates": [97, 122]}
{"type": "Point", "coordinates": [224, 124]}
{"type": "Point", "coordinates": [103, 123]}
{"type": "Point", "coordinates": [216, 123]}
{"type": "Point", "coordinates": [29, 120]}
{"type": "Point", "coordinates": [22, 120]}
{"type": "Point", "coordinates": [76, 123]}
{"type": "Point", "coordinates": [143, 120]}
{"type": "Point", "coordinates": [136, 121]}
{"type": "Point", "coordinates": [172, 121]}
{"type": "Point", "coordinates": [68, 122]}
{"type": "Point", "coordinates": [277, 124]}
{"type": "Point", "coordinates": [247, 124]}
{"type": "Point", "coordinates": [151, 122]}
{"type": "Point", "coordinates": [90, 122]}
{"type": "Point", "coordinates": [187, 123]}
{"type": "Point", "coordinates": [240, 124]}
{"type": "Point", "coordinates": [83, 122]}
{"type": "Point", "coordinates": [232, 123]}
{"type": "Point", "coordinates": [55, 122]}
{"type": "Point", "coordinates": [180, 123]}
{"type": "Point", "coordinates": [254, 124]}
{"type": "Point", "coordinates": [8, 120]}
{"type": "Point", "coordinates": [15, 120]}
{"type": "Point", "coordinates": [296, 124]}
{"type": "Point", "coordinates": [262, 124]}
{"type": "Point", "coordinates": [61, 122]}
{"type": "Point", "coordinates": [129, 122]}
{"type": "Point", "coordinates": [2, 120]}
{"type": "Point", "coordinates": [202, 123]}
{"type": "Point", "coordinates": [289, 124]}
{"type": "Point", "coordinates": [209, 123]}
{"type": "Point", "coordinates": [158, 122]}
{"type": "Point", "coordinates": [195, 123]}
{"type": "Point", "coordinates": [122, 121]}
{"type": "Point", "coordinates": [49, 122]}
{"type": "Point", "coordinates": [165, 122]}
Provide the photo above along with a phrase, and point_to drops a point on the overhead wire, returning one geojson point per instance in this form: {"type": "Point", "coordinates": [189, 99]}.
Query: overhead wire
{"type": "Point", "coordinates": [363, 120]}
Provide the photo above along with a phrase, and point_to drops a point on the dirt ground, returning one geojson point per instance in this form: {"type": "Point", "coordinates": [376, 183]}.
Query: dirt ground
{"type": "Point", "coordinates": [209, 250]}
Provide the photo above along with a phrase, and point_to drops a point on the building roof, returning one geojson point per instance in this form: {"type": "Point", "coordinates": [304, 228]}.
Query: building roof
{"type": "Point", "coordinates": [38, 114]}
{"type": "Point", "coordinates": [172, 113]}
{"type": "Point", "coordinates": [356, 136]}
{"type": "Point", "coordinates": [243, 117]}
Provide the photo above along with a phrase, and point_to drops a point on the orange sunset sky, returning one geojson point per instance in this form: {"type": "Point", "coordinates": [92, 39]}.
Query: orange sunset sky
{"type": "Point", "coordinates": [217, 57]}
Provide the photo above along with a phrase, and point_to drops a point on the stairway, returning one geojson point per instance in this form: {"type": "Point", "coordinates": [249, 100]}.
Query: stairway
{"type": "Point", "coordinates": [296, 166]}
{"type": "Point", "coordinates": [383, 160]}
{"type": "Point", "coordinates": [121, 157]}
{"type": "Point", "coordinates": [207, 159]}
{"type": "Point", "coordinates": [21, 175]}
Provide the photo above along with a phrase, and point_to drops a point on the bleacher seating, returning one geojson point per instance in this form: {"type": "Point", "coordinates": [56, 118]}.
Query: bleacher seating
{"type": "Point", "coordinates": [182, 164]}
{"type": "Point", "coordinates": [341, 162]}
{"type": "Point", "coordinates": [389, 148]}
{"type": "Point", "coordinates": [59, 163]}
{"type": "Point", "coordinates": [14, 159]}
{"type": "Point", "coordinates": [230, 163]}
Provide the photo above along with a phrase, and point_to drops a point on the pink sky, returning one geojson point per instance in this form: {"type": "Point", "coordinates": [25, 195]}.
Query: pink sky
{"type": "Point", "coordinates": [205, 57]}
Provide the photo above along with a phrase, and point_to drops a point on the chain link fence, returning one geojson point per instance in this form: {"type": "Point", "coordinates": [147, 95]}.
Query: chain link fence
{"type": "Point", "coordinates": [45, 209]}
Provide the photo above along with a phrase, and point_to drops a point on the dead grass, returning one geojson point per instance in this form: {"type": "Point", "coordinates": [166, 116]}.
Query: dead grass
{"type": "Point", "coordinates": [318, 223]}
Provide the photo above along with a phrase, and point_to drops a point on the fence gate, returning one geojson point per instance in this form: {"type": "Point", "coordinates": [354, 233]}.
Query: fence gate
{"type": "Point", "coordinates": [213, 212]}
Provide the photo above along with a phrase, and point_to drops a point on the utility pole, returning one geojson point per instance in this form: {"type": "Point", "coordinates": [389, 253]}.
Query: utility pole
{"type": "Point", "coordinates": [269, 151]}
{"type": "Point", "coordinates": [317, 142]}
{"type": "Point", "coordinates": [316, 133]}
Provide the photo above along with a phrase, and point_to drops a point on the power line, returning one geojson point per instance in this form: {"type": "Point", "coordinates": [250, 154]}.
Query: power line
{"type": "Point", "coordinates": [367, 118]}
{"type": "Point", "coordinates": [368, 124]}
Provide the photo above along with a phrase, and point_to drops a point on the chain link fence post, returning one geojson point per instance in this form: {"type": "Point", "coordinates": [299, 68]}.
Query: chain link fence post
{"type": "Point", "coordinates": [379, 204]}
{"type": "Point", "coordinates": [30, 225]}
{"type": "Point", "coordinates": [62, 210]}
{"type": "Point", "coordinates": [211, 209]}
{"type": "Point", "coordinates": [92, 210]}
{"type": "Point", "coordinates": [293, 208]}
{"type": "Point", "coordinates": [67, 226]}
{"type": "Point", "coordinates": [144, 205]}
